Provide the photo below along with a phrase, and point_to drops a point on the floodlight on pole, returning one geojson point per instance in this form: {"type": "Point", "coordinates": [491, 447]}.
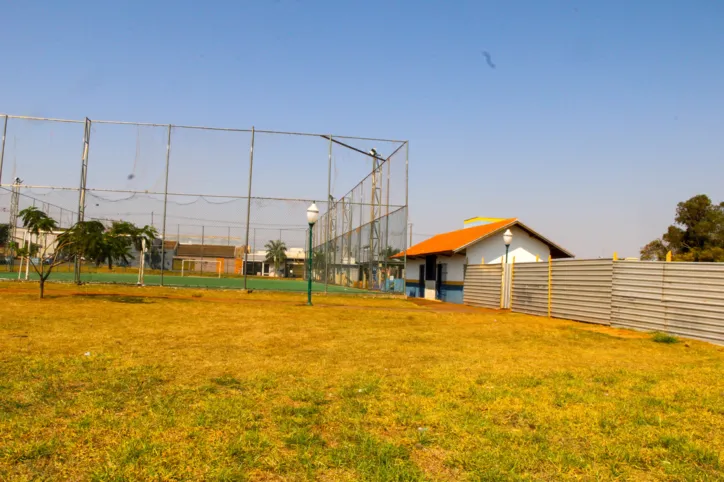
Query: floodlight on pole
{"type": "Point", "coordinates": [507, 239]}
{"type": "Point", "coordinates": [312, 218]}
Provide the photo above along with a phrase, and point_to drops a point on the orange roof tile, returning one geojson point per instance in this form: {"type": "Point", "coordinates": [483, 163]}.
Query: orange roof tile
{"type": "Point", "coordinates": [454, 240]}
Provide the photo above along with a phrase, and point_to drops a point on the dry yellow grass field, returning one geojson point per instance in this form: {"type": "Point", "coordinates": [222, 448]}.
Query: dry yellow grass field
{"type": "Point", "coordinates": [121, 383]}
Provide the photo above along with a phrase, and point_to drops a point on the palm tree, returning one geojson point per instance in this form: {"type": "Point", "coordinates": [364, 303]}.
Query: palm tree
{"type": "Point", "coordinates": [276, 253]}
{"type": "Point", "coordinates": [135, 234]}
{"type": "Point", "coordinates": [4, 234]}
{"type": "Point", "coordinates": [389, 252]}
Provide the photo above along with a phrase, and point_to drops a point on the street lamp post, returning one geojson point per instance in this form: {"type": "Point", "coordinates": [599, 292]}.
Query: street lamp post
{"type": "Point", "coordinates": [507, 239]}
{"type": "Point", "coordinates": [312, 217]}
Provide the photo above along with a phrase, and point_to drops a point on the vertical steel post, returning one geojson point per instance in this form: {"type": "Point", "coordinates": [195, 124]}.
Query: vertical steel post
{"type": "Point", "coordinates": [385, 250]}
{"type": "Point", "coordinates": [2, 146]}
{"type": "Point", "coordinates": [165, 204]}
{"type": "Point", "coordinates": [228, 235]}
{"type": "Point", "coordinates": [407, 217]}
{"type": "Point", "coordinates": [202, 249]}
{"type": "Point", "coordinates": [248, 209]}
{"type": "Point", "coordinates": [328, 217]}
{"type": "Point", "coordinates": [82, 186]}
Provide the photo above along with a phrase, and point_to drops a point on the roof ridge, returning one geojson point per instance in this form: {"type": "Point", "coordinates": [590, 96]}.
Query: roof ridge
{"type": "Point", "coordinates": [452, 241]}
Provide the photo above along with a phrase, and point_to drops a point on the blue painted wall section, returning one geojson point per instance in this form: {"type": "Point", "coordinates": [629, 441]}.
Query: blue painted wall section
{"type": "Point", "coordinates": [452, 293]}
{"type": "Point", "coordinates": [413, 290]}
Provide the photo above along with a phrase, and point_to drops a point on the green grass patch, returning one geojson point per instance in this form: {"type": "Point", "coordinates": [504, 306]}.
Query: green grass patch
{"type": "Point", "coordinates": [660, 337]}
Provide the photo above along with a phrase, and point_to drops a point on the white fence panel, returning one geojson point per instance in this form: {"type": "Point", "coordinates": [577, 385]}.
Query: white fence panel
{"type": "Point", "coordinates": [581, 290]}
{"type": "Point", "coordinates": [530, 288]}
{"type": "Point", "coordinates": [482, 285]}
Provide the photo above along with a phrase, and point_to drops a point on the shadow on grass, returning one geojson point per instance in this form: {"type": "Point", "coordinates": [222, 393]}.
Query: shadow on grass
{"type": "Point", "coordinates": [133, 300]}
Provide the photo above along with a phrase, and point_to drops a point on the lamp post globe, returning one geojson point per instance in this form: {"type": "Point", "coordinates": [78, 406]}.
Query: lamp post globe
{"type": "Point", "coordinates": [312, 214]}
{"type": "Point", "coordinates": [312, 218]}
{"type": "Point", "coordinates": [507, 239]}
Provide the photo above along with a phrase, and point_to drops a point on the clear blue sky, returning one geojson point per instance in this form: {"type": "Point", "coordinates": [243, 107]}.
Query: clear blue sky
{"type": "Point", "coordinates": [598, 118]}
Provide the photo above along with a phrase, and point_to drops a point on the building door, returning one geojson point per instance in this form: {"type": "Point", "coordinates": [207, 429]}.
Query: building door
{"type": "Point", "coordinates": [440, 281]}
{"type": "Point", "coordinates": [421, 293]}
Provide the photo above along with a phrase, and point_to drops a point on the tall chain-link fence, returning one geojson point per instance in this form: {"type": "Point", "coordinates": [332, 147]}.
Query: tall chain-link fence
{"type": "Point", "coordinates": [229, 205]}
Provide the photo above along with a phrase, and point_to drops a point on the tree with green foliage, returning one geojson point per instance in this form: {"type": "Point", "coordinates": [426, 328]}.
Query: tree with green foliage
{"type": "Point", "coordinates": [40, 226]}
{"type": "Point", "coordinates": [276, 253]}
{"type": "Point", "coordinates": [696, 235]}
{"type": "Point", "coordinates": [5, 232]}
{"type": "Point", "coordinates": [388, 254]}
{"type": "Point", "coordinates": [94, 242]}
{"type": "Point", "coordinates": [87, 239]}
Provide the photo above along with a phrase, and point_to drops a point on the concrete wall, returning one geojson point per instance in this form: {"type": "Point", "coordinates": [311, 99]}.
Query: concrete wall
{"type": "Point", "coordinates": [524, 247]}
{"type": "Point", "coordinates": [412, 274]}
{"type": "Point", "coordinates": [452, 290]}
{"type": "Point", "coordinates": [455, 267]}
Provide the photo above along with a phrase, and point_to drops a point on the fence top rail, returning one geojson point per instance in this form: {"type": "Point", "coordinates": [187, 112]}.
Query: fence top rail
{"type": "Point", "coordinates": [211, 128]}
{"type": "Point", "coordinates": [580, 260]}
{"type": "Point", "coordinates": [671, 263]}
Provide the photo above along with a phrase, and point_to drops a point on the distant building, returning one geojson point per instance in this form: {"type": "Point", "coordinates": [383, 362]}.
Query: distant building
{"type": "Point", "coordinates": [436, 267]}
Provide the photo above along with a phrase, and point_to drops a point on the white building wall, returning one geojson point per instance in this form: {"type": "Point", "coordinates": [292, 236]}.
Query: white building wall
{"type": "Point", "coordinates": [524, 247]}
{"type": "Point", "coordinates": [455, 267]}
{"type": "Point", "coordinates": [412, 270]}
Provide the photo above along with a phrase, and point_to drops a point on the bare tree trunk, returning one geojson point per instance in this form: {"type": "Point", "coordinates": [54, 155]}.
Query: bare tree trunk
{"type": "Point", "coordinates": [42, 287]}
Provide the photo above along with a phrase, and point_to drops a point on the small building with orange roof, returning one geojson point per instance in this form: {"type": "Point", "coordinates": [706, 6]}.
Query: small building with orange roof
{"type": "Point", "coordinates": [436, 267]}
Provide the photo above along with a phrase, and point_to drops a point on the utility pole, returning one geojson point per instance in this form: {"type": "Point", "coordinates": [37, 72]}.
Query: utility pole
{"type": "Point", "coordinates": [151, 218]}
{"type": "Point", "coordinates": [410, 235]}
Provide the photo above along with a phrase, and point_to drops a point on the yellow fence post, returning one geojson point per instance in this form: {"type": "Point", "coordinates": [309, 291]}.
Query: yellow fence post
{"type": "Point", "coordinates": [537, 258]}
{"type": "Point", "coordinates": [615, 256]}
{"type": "Point", "coordinates": [668, 257]}
{"type": "Point", "coordinates": [550, 283]}
{"type": "Point", "coordinates": [502, 281]}
{"type": "Point", "coordinates": [512, 270]}
{"type": "Point", "coordinates": [482, 260]}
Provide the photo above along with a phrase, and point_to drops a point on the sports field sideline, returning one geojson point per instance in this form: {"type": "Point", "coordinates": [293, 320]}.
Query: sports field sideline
{"type": "Point", "coordinates": [253, 283]}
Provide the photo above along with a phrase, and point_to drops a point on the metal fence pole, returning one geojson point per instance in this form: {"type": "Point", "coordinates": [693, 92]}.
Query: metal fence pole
{"type": "Point", "coordinates": [329, 217]}
{"type": "Point", "coordinates": [385, 250]}
{"type": "Point", "coordinates": [82, 186]}
{"type": "Point", "coordinates": [245, 266]}
{"type": "Point", "coordinates": [202, 249]}
{"type": "Point", "coordinates": [165, 204]}
{"type": "Point", "coordinates": [2, 147]}
{"type": "Point", "coordinates": [407, 218]}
